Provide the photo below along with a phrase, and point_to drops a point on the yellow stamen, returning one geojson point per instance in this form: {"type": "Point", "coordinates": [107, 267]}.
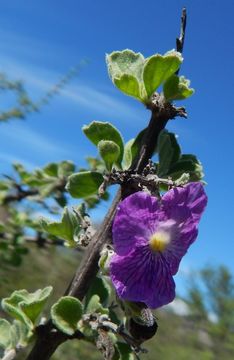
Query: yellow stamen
{"type": "Point", "coordinates": [159, 241]}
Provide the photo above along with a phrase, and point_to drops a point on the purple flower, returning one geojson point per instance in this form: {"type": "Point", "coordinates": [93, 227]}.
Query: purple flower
{"type": "Point", "coordinates": [150, 238]}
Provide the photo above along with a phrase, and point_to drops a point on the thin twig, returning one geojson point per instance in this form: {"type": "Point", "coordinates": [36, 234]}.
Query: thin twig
{"type": "Point", "coordinates": [180, 39]}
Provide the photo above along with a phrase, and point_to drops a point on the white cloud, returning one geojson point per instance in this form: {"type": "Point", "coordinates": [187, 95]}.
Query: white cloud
{"type": "Point", "coordinates": [13, 43]}
{"type": "Point", "coordinates": [100, 102]}
{"type": "Point", "coordinates": [9, 158]}
{"type": "Point", "coordinates": [21, 134]}
{"type": "Point", "coordinates": [88, 97]}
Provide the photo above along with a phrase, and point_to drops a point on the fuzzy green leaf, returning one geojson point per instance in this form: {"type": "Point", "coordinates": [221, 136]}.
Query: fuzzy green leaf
{"type": "Point", "coordinates": [125, 69]}
{"type": "Point", "coordinates": [21, 333]}
{"type": "Point", "coordinates": [66, 313]}
{"type": "Point", "coordinates": [125, 62]}
{"type": "Point", "coordinates": [65, 229]}
{"type": "Point", "coordinates": [25, 306]}
{"type": "Point", "coordinates": [129, 85]}
{"type": "Point", "coordinates": [159, 68]}
{"type": "Point", "coordinates": [109, 152]}
{"type": "Point", "coordinates": [177, 88]}
{"type": "Point", "coordinates": [84, 184]}
{"type": "Point", "coordinates": [94, 306]}
{"type": "Point", "coordinates": [97, 131]}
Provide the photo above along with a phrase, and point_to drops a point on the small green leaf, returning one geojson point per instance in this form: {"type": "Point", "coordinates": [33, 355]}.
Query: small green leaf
{"type": "Point", "coordinates": [84, 184]}
{"type": "Point", "coordinates": [65, 229]}
{"type": "Point", "coordinates": [129, 85]}
{"type": "Point", "coordinates": [66, 313]}
{"type": "Point", "coordinates": [97, 131]}
{"type": "Point", "coordinates": [65, 168]}
{"type": "Point", "coordinates": [125, 69]}
{"type": "Point", "coordinates": [132, 149]}
{"type": "Point", "coordinates": [25, 306]}
{"type": "Point", "coordinates": [177, 88]}
{"type": "Point", "coordinates": [159, 68]}
{"type": "Point", "coordinates": [125, 62]}
{"type": "Point", "coordinates": [94, 306]}
{"type": "Point", "coordinates": [5, 334]}
{"type": "Point", "coordinates": [24, 175]}
{"type": "Point", "coordinates": [168, 151]}
{"type": "Point", "coordinates": [127, 158]}
{"type": "Point", "coordinates": [51, 169]}
{"type": "Point", "coordinates": [109, 152]}
{"type": "Point", "coordinates": [33, 303]}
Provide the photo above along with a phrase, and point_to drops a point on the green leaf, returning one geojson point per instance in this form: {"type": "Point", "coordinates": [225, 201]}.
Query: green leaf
{"type": "Point", "coordinates": [109, 152]}
{"type": "Point", "coordinates": [127, 158]}
{"type": "Point", "coordinates": [24, 175]}
{"type": "Point", "coordinates": [125, 69]}
{"type": "Point", "coordinates": [100, 287]}
{"type": "Point", "coordinates": [177, 88]}
{"type": "Point", "coordinates": [94, 306]}
{"type": "Point", "coordinates": [125, 62]}
{"type": "Point", "coordinates": [51, 169]}
{"type": "Point", "coordinates": [25, 306]}
{"type": "Point", "coordinates": [65, 168]}
{"type": "Point", "coordinates": [65, 229]}
{"type": "Point", "coordinates": [5, 334]}
{"type": "Point", "coordinates": [84, 184]}
{"type": "Point", "coordinates": [159, 68]}
{"type": "Point", "coordinates": [22, 335]}
{"type": "Point", "coordinates": [168, 151]}
{"type": "Point", "coordinates": [187, 163]}
{"type": "Point", "coordinates": [129, 85]}
{"type": "Point", "coordinates": [132, 148]}
{"type": "Point", "coordinates": [66, 313]}
{"type": "Point", "coordinates": [97, 131]}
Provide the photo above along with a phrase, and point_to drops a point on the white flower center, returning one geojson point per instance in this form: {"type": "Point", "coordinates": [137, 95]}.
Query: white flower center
{"type": "Point", "coordinates": [159, 241]}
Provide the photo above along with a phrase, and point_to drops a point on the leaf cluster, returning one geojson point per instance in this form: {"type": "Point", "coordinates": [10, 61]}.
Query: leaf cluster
{"type": "Point", "coordinates": [140, 77]}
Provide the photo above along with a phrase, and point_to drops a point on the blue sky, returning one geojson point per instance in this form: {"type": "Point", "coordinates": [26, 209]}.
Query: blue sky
{"type": "Point", "coordinates": [41, 40]}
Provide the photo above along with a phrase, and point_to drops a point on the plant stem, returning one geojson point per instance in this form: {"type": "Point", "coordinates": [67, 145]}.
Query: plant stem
{"type": "Point", "coordinates": [162, 112]}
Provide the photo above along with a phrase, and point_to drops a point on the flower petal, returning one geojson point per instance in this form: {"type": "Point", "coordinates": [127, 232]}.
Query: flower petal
{"type": "Point", "coordinates": [184, 205]}
{"type": "Point", "coordinates": [178, 248]}
{"type": "Point", "coordinates": [143, 276]}
{"type": "Point", "coordinates": [177, 201]}
{"type": "Point", "coordinates": [135, 216]}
